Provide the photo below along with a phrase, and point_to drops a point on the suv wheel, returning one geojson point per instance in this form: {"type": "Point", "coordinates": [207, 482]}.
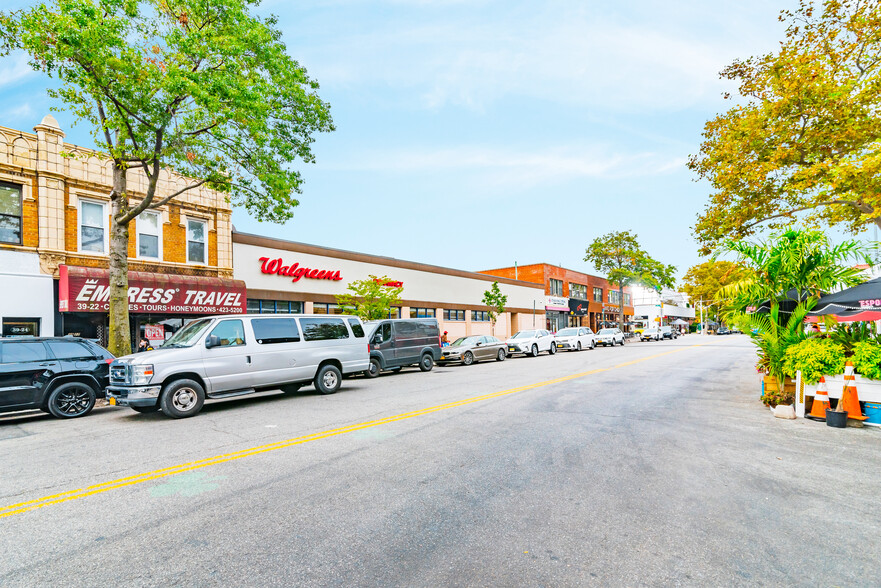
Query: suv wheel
{"type": "Point", "coordinates": [553, 348]}
{"type": "Point", "coordinates": [534, 351]}
{"type": "Point", "coordinates": [578, 347]}
{"type": "Point", "coordinates": [182, 399]}
{"type": "Point", "coordinates": [71, 400]}
{"type": "Point", "coordinates": [328, 379]}
{"type": "Point", "coordinates": [426, 363]}
{"type": "Point", "coordinates": [374, 369]}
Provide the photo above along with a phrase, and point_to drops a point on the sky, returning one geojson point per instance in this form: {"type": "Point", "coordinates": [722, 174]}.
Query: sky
{"type": "Point", "coordinates": [474, 134]}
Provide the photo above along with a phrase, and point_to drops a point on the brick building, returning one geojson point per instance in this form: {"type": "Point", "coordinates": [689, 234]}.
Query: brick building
{"type": "Point", "coordinates": [54, 242]}
{"type": "Point", "coordinates": [572, 298]}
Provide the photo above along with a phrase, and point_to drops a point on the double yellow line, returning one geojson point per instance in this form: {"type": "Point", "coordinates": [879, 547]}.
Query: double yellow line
{"type": "Point", "coordinates": [22, 507]}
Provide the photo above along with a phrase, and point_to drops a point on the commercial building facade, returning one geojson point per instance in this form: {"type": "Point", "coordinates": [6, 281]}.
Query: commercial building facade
{"type": "Point", "coordinates": [286, 276]}
{"type": "Point", "coordinates": [572, 298]}
{"type": "Point", "coordinates": [54, 244]}
{"type": "Point", "coordinates": [667, 307]}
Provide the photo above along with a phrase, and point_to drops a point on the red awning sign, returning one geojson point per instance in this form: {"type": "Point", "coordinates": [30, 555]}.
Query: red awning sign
{"type": "Point", "coordinates": [82, 289]}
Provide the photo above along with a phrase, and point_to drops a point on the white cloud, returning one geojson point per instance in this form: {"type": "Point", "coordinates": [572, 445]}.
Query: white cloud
{"type": "Point", "coordinates": [14, 69]}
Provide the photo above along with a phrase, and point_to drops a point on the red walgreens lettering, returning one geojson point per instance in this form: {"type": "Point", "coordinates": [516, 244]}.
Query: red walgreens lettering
{"type": "Point", "coordinates": [295, 272]}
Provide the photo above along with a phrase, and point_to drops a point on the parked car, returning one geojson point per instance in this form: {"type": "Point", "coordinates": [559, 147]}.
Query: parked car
{"type": "Point", "coordinates": [668, 332]}
{"type": "Point", "coordinates": [398, 343]}
{"type": "Point", "coordinates": [575, 339]}
{"type": "Point", "coordinates": [531, 342]}
{"type": "Point", "coordinates": [59, 375]}
{"type": "Point", "coordinates": [723, 331]}
{"type": "Point", "coordinates": [610, 336]}
{"type": "Point", "coordinates": [468, 350]}
{"type": "Point", "coordinates": [235, 355]}
{"type": "Point", "coordinates": [651, 335]}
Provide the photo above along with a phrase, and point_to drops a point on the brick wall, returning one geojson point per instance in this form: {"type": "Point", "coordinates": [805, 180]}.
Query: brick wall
{"type": "Point", "coordinates": [174, 237]}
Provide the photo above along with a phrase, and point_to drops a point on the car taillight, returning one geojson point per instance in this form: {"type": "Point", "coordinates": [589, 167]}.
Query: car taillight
{"type": "Point", "coordinates": [108, 361]}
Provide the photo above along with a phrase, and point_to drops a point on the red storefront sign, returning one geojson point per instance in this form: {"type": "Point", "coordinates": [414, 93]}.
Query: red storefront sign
{"type": "Point", "coordinates": [295, 272]}
{"type": "Point", "coordinates": [82, 289]}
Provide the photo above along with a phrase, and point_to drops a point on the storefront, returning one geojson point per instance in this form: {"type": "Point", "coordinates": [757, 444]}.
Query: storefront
{"type": "Point", "coordinates": [285, 276]}
{"type": "Point", "coordinates": [557, 313]}
{"type": "Point", "coordinates": [159, 304]}
{"type": "Point", "coordinates": [26, 296]}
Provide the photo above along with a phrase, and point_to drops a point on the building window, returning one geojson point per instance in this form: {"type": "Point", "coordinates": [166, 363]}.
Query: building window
{"type": "Point", "coordinates": [556, 287]}
{"type": "Point", "coordinates": [196, 249]}
{"type": "Point", "coordinates": [597, 294]}
{"type": "Point", "coordinates": [578, 291]}
{"type": "Point", "coordinates": [148, 234]}
{"type": "Point", "coordinates": [327, 308]}
{"type": "Point", "coordinates": [257, 306]}
{"type": "Point", "coordinates": [626, 299]}
{"type": "Point", "coordinates": [480, 316]}
{"type": "Point", "coordinates": [614, 297]}
{"type": "Point", "coordinates": [422, 313]}
{"type": "Point", "coordinates": [454, 315]}
{"type": "Point", "coordinates": [93, 230]}
{"type": "Point", "coordinates": [10, 214]}
{"type": "Point", "coordinates": [394, 312]}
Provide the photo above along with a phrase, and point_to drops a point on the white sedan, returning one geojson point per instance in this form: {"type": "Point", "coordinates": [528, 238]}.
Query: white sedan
{"type": "Point", "coordinates": [610, 337]}
{"type": "Point", "coordinates": [531, 343]}
{"type": "Point", "coordinates": [575, 339]}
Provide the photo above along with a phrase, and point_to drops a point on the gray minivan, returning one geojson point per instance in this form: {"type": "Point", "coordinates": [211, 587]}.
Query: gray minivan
{"type": "Point", "coordinates": [396, 343]}
{"type": "Point", "coordinates": [235, 355]}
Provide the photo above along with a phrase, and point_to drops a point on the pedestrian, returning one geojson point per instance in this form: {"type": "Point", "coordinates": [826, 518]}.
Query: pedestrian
{"type": "Point", "coordinates": [144, 345]}
{"type": "Point", "coordinates": [445, 340]}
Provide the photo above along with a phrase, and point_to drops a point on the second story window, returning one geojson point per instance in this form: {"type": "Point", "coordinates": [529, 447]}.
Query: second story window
{"type": "Point", "coordinates": [614, 296]}
{"type": "Point", "coordinates": [626, 299]}
{"type": "Point", "coordinates": [93, 230]}
{"type": "Point", "coordinates": [196, 249]}
{"type": "Point", "coordinates": [148, 235]}
{"type": "Point", "coordinates": [577, 291]}
{"type": "Point", "coordinates": [597, 294]}
{"type": "Point", "coordinates": [10, 214]}
{"type": "Point", "coordinates": [556, 287]}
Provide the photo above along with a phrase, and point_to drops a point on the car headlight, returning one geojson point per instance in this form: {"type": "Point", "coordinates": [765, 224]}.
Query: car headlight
{"type": "Point", "coordinates": [142, 374]}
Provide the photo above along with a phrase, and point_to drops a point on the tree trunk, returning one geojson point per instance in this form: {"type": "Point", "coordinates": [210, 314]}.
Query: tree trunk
{"type": "Point", "coordinates": [621, 307]}
{"type": "Point", "coordinates": [119, 340]}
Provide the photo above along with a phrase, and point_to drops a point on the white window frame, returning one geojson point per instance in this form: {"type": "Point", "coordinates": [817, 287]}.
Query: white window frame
{"type": "Point", "coordinates": [79, 226]}
{"type": "Point", "coordinates": [158, 235]}
{"type": "Point", "coordinates": [194, 219]}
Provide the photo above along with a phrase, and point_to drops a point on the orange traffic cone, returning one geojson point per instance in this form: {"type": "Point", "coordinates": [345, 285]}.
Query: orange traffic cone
{"type": "Point", "coordinates": [850, 402]}
{"type": "Point", "coordinates": [821, 402]}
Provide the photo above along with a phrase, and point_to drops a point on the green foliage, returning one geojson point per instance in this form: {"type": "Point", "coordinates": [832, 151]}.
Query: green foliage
{"type": "Point", "coordinates": [803, 137]}
{"type": "Point", "coordinates": [814, 358]}
{"type": "Point", "coordinates": [373, 298]}
{"type": "Point", "coordinates": [496, 302]}
{"type": "Point", "coordinates": [867, 359]}
{"type": "Point", "coordinates": [850, 335]}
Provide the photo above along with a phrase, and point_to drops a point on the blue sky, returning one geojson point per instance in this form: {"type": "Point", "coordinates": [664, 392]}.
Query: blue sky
{"type": "Point", "coordinates": [473, 134]}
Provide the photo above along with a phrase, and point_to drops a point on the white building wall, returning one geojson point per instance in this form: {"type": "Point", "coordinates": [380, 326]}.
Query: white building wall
{"type": "Point", "coordinates": [24, 291]}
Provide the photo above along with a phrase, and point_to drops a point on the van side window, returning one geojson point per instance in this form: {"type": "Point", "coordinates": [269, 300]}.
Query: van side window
{"type": "Point", "coordinates": [357, 329]}
{"type": "Point", "coordinates": [323, 329]}
{"type": "Point", "coordinates": [386, 331]}
{"type": "Point", "coordinates": [428, 330]}
{"type": "Point", "coordinates": [406, 330]}
{"type": "Point", "coordinates": [275, 330]}
{"type": "Point", "coordinates": [230, 333]}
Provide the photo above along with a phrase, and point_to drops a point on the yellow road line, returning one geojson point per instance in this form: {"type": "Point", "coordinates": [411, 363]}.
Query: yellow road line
{"type": "Point", "coordinates": [21, 507]}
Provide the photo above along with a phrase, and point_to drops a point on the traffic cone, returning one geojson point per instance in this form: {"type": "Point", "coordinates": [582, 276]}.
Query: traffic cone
{"type": "Point", "coordinates": [821, 402]}
{"type": "Point", "coordinates": [850, 401]}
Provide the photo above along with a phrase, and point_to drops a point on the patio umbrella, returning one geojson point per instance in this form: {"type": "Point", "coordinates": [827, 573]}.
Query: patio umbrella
{"type": "Point", "coordinates": [680, 322]}
{"type": "Point", "coordinates": [864, 298]}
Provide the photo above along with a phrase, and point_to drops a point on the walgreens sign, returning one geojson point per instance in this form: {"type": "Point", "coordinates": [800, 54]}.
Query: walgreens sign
{"type": "Point", "coordinates": [88, 290]}
{"type": "Point", "coordinates": [295, 271]}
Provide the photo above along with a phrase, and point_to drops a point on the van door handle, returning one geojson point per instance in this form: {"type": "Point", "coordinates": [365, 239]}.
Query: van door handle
{"type": "Point", "coordinates": [248, 357]}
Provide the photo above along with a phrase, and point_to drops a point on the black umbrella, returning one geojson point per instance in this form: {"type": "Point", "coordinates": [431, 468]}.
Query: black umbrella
{"type": "Point", "coordinates": [864, 297]}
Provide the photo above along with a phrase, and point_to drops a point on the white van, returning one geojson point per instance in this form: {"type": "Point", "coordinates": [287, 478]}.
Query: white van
{"type": "Point", "coordinates": [234, 355]}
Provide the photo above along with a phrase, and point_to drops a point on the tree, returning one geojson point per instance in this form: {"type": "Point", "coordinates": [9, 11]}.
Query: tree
{"type": "Point", "coordinates": [496, 302]}
{"type": "Point", "coordinates": [373, 298]}
{"type": "Point", "coordinates": [806, 139]}
{"type": "Point", "coordinates": [704, 280]}
{"type": "Point", "coordinates": [201, 86]}
{"type": "Point", "coordinates": [619, 255]}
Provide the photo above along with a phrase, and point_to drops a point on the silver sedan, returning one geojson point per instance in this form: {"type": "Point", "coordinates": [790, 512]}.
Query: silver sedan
{"type": "Point", "coordinates": [467, 350]}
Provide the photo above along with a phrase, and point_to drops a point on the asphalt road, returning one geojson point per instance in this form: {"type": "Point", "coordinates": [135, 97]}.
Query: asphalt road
{"type": "Point", "coordinates": [652, 464]}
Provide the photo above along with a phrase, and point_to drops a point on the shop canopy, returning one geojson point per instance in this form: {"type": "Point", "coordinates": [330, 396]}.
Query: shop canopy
{"type": "Point", "coordinates": [860, 303]}
{"type": "Point", "coordinates": [680, 322]}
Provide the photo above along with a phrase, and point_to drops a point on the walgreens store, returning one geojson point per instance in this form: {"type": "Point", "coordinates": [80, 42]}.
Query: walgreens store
{"type": "Point", "coordinates": [285, 276]}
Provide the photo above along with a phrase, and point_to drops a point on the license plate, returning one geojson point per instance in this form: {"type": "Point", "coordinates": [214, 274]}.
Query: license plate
{"type": "Point", "coordinates": [442, 357]}
{"type": "Point", "coordinates": [512, 349]}
{"type": "Point", "coordinates": [112, 401]}
{"type": "Point", "coordinates": [559, 344]}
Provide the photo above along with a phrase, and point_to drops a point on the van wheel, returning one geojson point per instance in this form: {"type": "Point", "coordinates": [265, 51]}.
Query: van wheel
{"type": "Point", "coordinates": [291, 388]}
{"type": "Point", "coordinates": [502, 355]}
{"type": "Point", "coordinates": [426, 363]}
{"type": "Point", "coordinates": [468, 358]}
{"type": "Point", "coordinates": [374, 369]}
{"type": "Point", "coordinates": [328, 379]}
{"type": "Point", "coordinates": [71, 400]}
{"type": "Point", "coordinates": [182, 399]}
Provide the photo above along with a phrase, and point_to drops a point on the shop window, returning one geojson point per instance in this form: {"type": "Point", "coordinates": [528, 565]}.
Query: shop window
{"type": "Point", "coordinates": [253, 306]}
{"type": "Point", "coordinates": [578, 291]}
{"type": "Point", "coordinates": [21, 327]}
{"type": "Point", "coordinates": [257, 306]}
{"type": "Point", "coordinates": [148, 234]}
{"type": "Point", "coordinates": [480, 316]}
{"type": "Point", "coordinates": [275, 330]}
{"type": "Point", "coordinates": [10, 214]}
{"type": "Point", "coordinates": [454, 315]}
{"type": "Point", "coordinates": [93, 226]}
{"type": "Point", "coordinates": [394, 312]}
{"type": "Point", "coordinates": [597, 294]}
{"type": "Point", "coordinates": [230, 333]}
{"type": "Point", "coordinates": [556, 287]}
{"type": "Point", "coordinates": [322, 329]}
{"type": "Point", "coordinates": [196, 249]}
{"type": "Point", "coordinates": [422, 313]}
{"type": "Point", "coordinates": [327, 308]}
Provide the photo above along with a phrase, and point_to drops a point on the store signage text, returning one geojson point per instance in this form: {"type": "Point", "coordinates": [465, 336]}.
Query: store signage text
{"type": "Point", "coordinates": [870, 303]}
{"type": "Point", "coordinates": [295, 272]}
{"type": "Point", "coordinates": [390, 284]}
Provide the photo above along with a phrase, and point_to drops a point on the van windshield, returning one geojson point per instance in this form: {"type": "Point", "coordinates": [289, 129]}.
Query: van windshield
{"type": "Point", "coordinates": [188, 336]}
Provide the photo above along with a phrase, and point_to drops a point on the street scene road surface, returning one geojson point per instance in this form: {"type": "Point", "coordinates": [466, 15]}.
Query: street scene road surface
{"type": "Point", "coordinates": [650, 464]}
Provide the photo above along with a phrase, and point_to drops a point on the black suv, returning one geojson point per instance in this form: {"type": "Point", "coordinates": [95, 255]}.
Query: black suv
{"type": "Point", "coordinates": [60, 375]}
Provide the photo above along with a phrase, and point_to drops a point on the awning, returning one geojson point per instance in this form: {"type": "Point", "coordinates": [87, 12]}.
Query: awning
{"type": "Point", "coordinates": [85, 289]}
{"type": "Point", "coordinates": [861, 298]}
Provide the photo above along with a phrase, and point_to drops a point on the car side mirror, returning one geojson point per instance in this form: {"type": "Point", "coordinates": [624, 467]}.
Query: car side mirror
{"type": "Point", "coordinates": [478, 344]}
{"type": "Point", "coordinates": [212, 341]}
